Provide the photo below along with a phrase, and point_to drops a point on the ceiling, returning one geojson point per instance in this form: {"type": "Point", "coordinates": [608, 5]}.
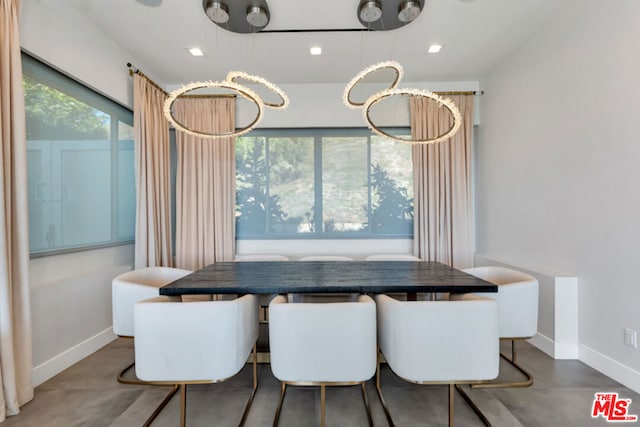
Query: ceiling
{"type": "Point", "coordinates": [476, 35]}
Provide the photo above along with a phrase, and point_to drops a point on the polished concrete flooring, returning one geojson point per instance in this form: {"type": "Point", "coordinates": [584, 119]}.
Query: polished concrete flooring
{"type": "Point", "coordinates": [87, 394]}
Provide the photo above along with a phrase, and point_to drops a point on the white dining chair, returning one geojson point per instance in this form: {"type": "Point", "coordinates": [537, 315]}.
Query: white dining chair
{"type": "Point", "coordinates": [435, 342]}
{"type": "Point", "coordinates": [392, 257]}
{"type": "Point", "coordinates": [423, 296]}
{"type": "Point", "coordinates": [327, 297]}
{"type": "Point", "coordinates": [325, 258]}
{"type": "Point", "coordinates": [261, 257]}
{"type": "Point", "coordinates": [517, 299]}
{"type": "Point", "coordinates": [200, 342]}
{"type": "Point", "coordinates": [129, 288]}
{"type": "Point", "coordinates": [264, 299]}
{"type": "Point", "coordinates": [323, 344]}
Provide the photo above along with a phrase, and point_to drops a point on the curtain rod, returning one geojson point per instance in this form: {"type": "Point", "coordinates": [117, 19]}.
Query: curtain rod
{"type": "Point", "coordinates": [133, 70]}
{"type": "Point", "coordinates": [472, 92]}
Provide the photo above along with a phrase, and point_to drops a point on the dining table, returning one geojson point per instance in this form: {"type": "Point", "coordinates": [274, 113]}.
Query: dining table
{"type": "Point", "coordinates": [293, 277]}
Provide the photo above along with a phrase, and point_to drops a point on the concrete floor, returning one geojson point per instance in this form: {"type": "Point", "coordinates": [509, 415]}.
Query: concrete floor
{"type": "Point", "coordinates": [87, 394]}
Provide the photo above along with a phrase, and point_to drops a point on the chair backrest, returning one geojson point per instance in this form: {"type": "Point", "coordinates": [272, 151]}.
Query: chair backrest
{"type": "Point", "coordinates": [323, 342]}
{"type": "Point", "coordinates": [392, 257]}
{"type": "Point", "coordinates": [153, 276]}
{"type": "Point", "coordinates": [261, 257]}
{"type": "Point", "coordinates": [325, 258]}
{"type": "Point", "coordinates": [499, 275]}
{"type": "Point", "coordinates": [517, 299]}
{"type": "Point", "coordinates": [439, 341]}
{"type": "Point", "coordinates": [193, 341]}
{"type": "Point", "coordinates": [137, 285]}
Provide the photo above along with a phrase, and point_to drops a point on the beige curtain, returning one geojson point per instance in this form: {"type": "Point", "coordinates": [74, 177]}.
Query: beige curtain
{"type": "Point", "coordinates": [153, 195]}
{"type": "Point", "coordinates": [15, 316]}
{"type": "Point", "coordinates": [443, 227]}
{"type": "Point", "coordinates": [205, 183]}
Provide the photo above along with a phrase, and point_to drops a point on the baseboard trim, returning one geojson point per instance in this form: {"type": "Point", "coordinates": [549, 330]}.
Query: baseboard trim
{"type": "Point", "coordinates": [62, 361]}
{"type": "Point", "coordinates": [554, 349]}
{"type": "Point", "coordinates": [543, 343]}
{"type": "Point", "coordinates": [623, 374]}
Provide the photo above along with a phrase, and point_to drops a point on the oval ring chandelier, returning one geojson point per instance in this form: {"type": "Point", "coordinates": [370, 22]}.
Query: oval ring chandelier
{"type": "Point", "coordinates": [369, 71]}
{"type": "Point", "coordinates": [445, 102]}
{"type": "Point", "coordinates": [233, 76]}
{"type": "Point", "coordinates": [394, 91]}
{"type": "Point", "coordinates": [233, 86]}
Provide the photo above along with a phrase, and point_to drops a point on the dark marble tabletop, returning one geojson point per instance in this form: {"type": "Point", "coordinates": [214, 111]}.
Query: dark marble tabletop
{"type": "Point", "coordinates": [282, 277]}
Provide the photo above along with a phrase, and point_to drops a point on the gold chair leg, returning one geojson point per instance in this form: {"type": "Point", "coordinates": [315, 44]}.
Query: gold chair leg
{"type": "Point", "coordinates": [183, 405]}
{"type": "Point", "coordinates": [183, 398]}
{"type": "Point", "coordinates": [135, 381]}
{"type": "Point", "coordinates": [366, 403]}
{"type": "Point", "coordinates": [451, 400]}
{"type": "Point", "coordinates": [470, 402]}
{"type": "Point", "coordinates": [322, 404]}
{"type": "Point", "coordinates": [245, 413]}
{"type": "Point", "coordinates": [451, 405]}
{"type": "Point", "coordinates": [380, 396]}
{"type": "Point", "coordinates": [283, 390]}
{"type": "Point", "coordinates": [121, 374]}
{"type": "Point", "coordinates": [509, 384]}
{"type": "Point", "coordinates": [160, 407]}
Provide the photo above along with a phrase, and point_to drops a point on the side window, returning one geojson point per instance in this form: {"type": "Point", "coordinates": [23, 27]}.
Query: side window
{"type": "Point", "coordinates": [80, 164]}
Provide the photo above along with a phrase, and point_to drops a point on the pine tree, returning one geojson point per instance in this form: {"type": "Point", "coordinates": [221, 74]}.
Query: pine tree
{"type": "Point", "coordinates": [393, 211]}
{"type": "Point", "coordinates": [258, 211]}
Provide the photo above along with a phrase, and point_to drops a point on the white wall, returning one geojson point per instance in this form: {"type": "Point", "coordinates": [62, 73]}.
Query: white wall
{"type": "Point", "coordinates": [320, 105]}
{"type": "Point", "coordinates": [355, 248]}
{"type": "Point", "coordinates": [71, 306]}
{"type": "Point", "coordinates": [557, 168]}
{"type": "Point", "coordinates": [55, 33]}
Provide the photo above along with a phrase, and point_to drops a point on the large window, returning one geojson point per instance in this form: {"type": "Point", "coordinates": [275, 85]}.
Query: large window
{"type": "Point", "coordinates": [80, 164]}
{"type": "Point", "coordinates": [327, 183]}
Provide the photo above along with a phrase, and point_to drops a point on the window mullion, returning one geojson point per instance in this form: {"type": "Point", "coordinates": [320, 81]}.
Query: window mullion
{"type": "Point", "coordinates": [114, 138]}
{"type": "Point", "coordinates": [317, 180]}
{"type": "Point", "coordinates": [369, 202]}
{"type": "Point", "coordinates": [267, 205]}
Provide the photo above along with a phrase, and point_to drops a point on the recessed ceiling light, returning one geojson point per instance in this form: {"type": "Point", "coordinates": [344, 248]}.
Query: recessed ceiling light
{"type": "Point", "coordinates": [195, 51]}
{"type": "Point", "coordinates": [315, 50]}
{"type": "Point", "coordinates": [434, 48]}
